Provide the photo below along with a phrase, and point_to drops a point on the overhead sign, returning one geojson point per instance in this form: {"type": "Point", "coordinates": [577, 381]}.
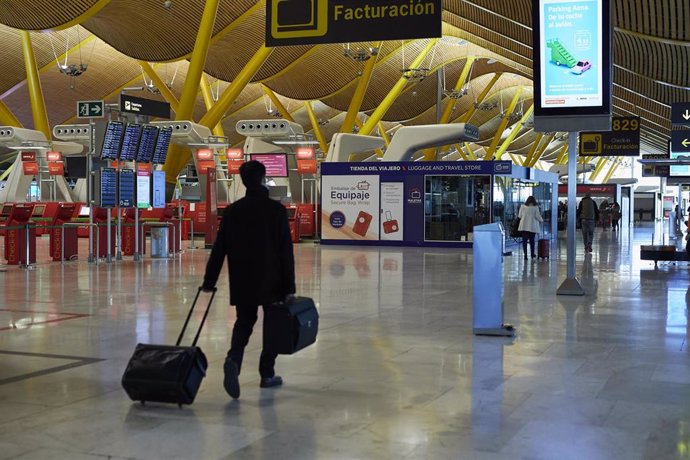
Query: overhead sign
{"type": "Point", "coordinates": [311, 22]}
{"type": "Point", "coordinates": [306, 160]}
{"type": "Point", "coordinates": [141, 106]}
{"type": "Point", "coordinates": [30, 168]}
{"type": "Point", "coordinates": [54, 156]}
{"type": "Point", "coordinates": [572, 64]}
{"type": "Point", "coordinates": [656, 170]}
{"type": "Point", "coordinates": [622, 140]}
{"type": "Point", "coordinates": [28, 156]}
{"type": "Point", "coordinates": [655, 156]}
{"type": "Point", "coordinates": [90, 109]}
{"type": "Point", "coordinates": [56, 169]}
{"type": "Point", "coordinates": [235, 160]}
{"type": "Point", "coordinates": [680, 113]}
{"type": "Point", "coordinates": [680, 141]}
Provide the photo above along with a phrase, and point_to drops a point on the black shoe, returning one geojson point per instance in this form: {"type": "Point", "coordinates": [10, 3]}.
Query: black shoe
{"type": "Point", "coordinates": [269, 382]}
{"type": "Point", "coordinates": [230, 382]}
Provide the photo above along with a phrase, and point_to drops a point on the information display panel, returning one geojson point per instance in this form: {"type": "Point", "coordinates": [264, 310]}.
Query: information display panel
{"type": "Point", "coordinates": [126, 188]}
{"type": "Point", "coordinates": [158, 189]}
{"type": "Point", "coordinates": [108, 188]}
{"type": "Point", "coordinates": [162, 144]}
{"type": "Point", "coordinates": [572, 61]}
{"type": "Point", "coordinates": [143, 189]}
{"type": "Point", "coordinates": [147, 144]}
{"type": "Point", "coordinates": [276, 164]}
{"type": "Point", "coordinates": [112, 140]}
{"type": "Point", "coordinates": [130, 142]}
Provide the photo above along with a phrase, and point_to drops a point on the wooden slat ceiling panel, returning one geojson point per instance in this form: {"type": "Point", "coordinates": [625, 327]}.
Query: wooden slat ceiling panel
{"type": "Point", "coordinates": [229, 54]}
{"type": "Point", "coordinates": [660, 18]}
{"type": "Point", "coordinates": [508, 18]}
{"type": "Point", "coordinates": [41, 15]}
{"type": "Point", "coordinates": [150, 32]}
{"type": "Point", "coordinates": [61, 98]}
{"type": "Point", "coordinates": [13, 69]}
{"type": "Point", "coordinates": [632, 52]}
{"type": "Point", "coordinates": [325, 71]}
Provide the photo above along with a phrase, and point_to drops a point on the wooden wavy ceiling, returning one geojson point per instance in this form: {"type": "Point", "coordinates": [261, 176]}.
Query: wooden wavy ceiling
{"type": "Point", "coordinates": [651, 43]}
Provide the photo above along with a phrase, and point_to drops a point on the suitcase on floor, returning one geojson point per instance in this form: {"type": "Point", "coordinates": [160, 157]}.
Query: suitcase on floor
{"type": "Point", "coordinates": [167, 373]}
{"type": "Point", "coordinates": [291, 326]}
{"type": "Point", "coordinates": [543, 248]}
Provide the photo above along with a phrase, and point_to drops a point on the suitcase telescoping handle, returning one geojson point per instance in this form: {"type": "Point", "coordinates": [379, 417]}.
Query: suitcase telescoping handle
{"type": "Point", "coordinates": [189, 315]}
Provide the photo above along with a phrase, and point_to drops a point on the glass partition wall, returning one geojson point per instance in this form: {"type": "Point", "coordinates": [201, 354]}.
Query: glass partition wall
{"type": "Point", "coordinates": [453, 205]}
{"type": "Point", "coordinates": [510, 194]}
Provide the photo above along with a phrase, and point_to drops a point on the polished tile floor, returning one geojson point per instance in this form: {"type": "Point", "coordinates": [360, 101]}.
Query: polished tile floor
{"type": "Point", "coordinates": [396, 372]}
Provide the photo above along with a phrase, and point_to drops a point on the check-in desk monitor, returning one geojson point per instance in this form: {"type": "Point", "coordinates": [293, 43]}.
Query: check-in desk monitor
{"type": "Point", "coordinates": [39, 209]}
{"type": "Point", "coordinates": [130, 142]}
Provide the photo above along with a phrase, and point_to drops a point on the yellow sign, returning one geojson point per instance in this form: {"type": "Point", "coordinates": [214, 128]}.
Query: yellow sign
{"type": "Point", "coordinates": [299, 18]}
{"type": "Point", "coordinates": [591, 144]}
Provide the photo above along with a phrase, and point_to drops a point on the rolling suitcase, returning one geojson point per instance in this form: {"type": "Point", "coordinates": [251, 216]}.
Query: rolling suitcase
{"type": "Point", "coordinates": [167, 373]}
{"type": "Point", "coordinates": [291, 326]}
{"type": "Point", "coordinates": [543, 248]}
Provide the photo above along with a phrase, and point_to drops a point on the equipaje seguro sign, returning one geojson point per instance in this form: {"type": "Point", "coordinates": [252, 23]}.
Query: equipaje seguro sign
{"type": "Point", "coordinates": [303, 22]}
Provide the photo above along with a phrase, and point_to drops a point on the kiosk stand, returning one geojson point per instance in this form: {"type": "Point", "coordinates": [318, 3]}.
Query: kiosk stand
{"type": "Point", "coordinates": [20, 236]}
{"type": "Point", "coordinates": [489, 243]}
{"type": "Point", "coordinates": [105, 246]}
{"type": "Point", "coordinates": [67, 250]}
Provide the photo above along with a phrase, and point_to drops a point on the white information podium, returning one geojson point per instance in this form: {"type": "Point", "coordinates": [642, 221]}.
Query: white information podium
{"type": "Point", "coordinates": [488, 249]}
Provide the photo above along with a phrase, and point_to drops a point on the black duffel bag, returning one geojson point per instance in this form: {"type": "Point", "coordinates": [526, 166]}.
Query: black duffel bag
{"type": "Point", "coordinates": [290, 326]}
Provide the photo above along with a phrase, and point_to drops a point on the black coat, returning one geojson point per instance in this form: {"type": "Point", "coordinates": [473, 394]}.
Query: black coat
{"type": "Point", "coordinates": [255, 236]}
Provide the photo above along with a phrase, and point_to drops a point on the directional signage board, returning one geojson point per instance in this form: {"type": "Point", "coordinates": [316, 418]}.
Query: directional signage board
{"type": "Point", "coordinates": [311, 22]}
{"type": "Point", "coordinates": [649, 170]}
{"type": "Point", "coordinates": [623, 140]}
{"type": "Point", "coordinates": [90, 109]}
{"type": "Point", "coordinates": [680, 113]}
{"type": "Point", "coordinates": [680, 141]}
{"type": "Point", "coordinates": [141, 106]}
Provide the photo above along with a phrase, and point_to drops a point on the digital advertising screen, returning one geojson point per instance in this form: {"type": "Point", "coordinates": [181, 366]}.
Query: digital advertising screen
{"type": "Point", "coordinates": [112, 140]}
{"type": "Point", "coordinates": [275, 163]}
{"type": "Point", "coordinates": [158, 189]}
{"type": "Point", "coordinates": [143, 189]}
{"type": "Point", "coordinates": [679, 170]}
{"type": "Point", "coordinates": [162, 144]}
{"type": "Point", "coordinates": [573, 66]}
{"type": "Point", "coordinates": [147, 144]}
{"type": "Point", "coordinates": [130, 142]}
{"type": "Point", "coordinates": [127, 188]}
{"type": "Point", "coordinates": [108, 188]}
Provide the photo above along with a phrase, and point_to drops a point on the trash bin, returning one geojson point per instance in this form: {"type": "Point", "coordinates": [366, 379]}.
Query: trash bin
{"type": "Point", "coordinates": [159, 242]}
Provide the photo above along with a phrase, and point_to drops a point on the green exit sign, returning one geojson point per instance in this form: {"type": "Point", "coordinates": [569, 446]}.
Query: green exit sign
{"type": "Point", "coordinates": [90, 109]}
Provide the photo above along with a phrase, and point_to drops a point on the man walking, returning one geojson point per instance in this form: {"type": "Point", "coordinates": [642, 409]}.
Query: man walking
{"type": "Point", "coordinates": [254, 235]}
{"type": "Point", "coordinates": [588, 213]}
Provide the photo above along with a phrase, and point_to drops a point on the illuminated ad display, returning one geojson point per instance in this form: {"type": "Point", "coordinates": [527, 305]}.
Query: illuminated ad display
{"type": "Point", "coordinates": [572, 57]}
{"type": "Point", "coordinates": [143, 189]}
{"type": "Point", "coordinates": [276, 164]}
{"type": "Point", "coordinates": [158, 189]}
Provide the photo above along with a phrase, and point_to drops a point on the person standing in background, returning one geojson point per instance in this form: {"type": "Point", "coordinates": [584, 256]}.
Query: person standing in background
{"type": "Point", "coordinates": [615, 215]}
{"type": "Point", "coordinates": [530, 224]}
{"type": "Point", "coordinates": [588, 213]}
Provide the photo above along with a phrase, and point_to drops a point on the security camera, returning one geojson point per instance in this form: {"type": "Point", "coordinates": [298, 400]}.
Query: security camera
{"type": "Point", "coordinates": [167, 4]}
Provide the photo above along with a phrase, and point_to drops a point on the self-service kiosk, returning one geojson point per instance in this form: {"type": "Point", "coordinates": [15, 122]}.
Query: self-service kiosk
{"type": "Point", "coordinates": [63, 214]}
{"type": "Point", "coordinates": [17, 230]}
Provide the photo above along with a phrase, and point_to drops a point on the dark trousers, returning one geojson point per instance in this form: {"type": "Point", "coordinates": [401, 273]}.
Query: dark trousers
{"type": "Point", "coordinates": [246, 318]}
{"type": "Point", "coordinates": [528, 237]}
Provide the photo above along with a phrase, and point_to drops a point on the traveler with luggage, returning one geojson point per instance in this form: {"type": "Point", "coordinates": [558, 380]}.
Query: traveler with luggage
{"type": "Point", "coordinates": [254, 235]}
{"type": "Point", "coordinates": [530, 224]}
{"type": "Point", "coordinates": [588, 214]}
{"type": "Point", "coordinates": [615, 215]}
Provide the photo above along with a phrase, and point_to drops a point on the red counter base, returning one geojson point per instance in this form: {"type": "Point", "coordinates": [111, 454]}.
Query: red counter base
{"type": "Point", "coordinates": [71, 243]}
{"type": "Point", "coordinates": [15, 246]}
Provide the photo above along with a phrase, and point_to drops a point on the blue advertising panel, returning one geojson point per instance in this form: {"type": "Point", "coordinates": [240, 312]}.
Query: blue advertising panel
{"type": "Point", "coordinates": [158, 189]}
{"type": "Point", "coordinates": [127, 188]}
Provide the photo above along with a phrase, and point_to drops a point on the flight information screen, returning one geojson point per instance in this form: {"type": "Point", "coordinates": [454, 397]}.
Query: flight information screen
{"type": "Point", "coordinates": [112, 140]}
{"type": "Point", "coordinates": [147, 144]}
{"type": "Point", "coordinates": [130, 142]}
{"type": "Point", "coordinates": [162, 144]}
{"type": "Point", "coordinates": [108, 188]}
{"type": "Point", "coordinates": [127, 188]}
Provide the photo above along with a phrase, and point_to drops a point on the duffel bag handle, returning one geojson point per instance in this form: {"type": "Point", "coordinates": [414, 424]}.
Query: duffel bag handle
{"type": "Point", "coordinates": [189, 316]}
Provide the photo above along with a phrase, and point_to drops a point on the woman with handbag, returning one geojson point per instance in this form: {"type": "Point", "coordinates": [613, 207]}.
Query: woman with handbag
{"type": "Point", "coordinates": [530, 224]}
